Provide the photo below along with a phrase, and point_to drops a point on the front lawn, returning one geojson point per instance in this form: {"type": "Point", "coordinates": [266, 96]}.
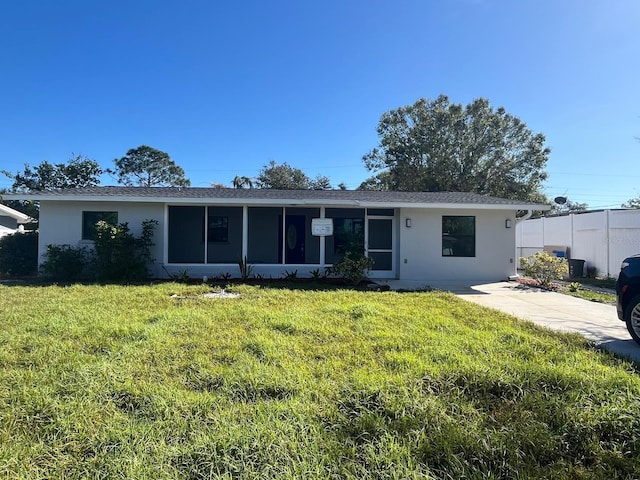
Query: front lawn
{"type": "Point", "coordinates": [160, 382]}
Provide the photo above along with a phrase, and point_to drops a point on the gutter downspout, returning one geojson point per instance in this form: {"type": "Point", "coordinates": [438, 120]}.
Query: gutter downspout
{"type": "Point", "coordinates": [526, 216]}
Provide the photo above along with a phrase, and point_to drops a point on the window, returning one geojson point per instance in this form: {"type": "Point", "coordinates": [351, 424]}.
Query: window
{"type": "Point", "coordinates": [458, 236]}
{"type": "Point", "coordinates": [89, 220]}
{"type": "Point", "coordinates": [218, 229]}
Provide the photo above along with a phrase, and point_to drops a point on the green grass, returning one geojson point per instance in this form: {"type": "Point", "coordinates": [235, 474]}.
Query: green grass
{"type": "Point", "coordinates": [128, 382]}
{"type": "Point", "coordinates": [609, 283]}
{"type": "Point", "coordinates": [593, 296]}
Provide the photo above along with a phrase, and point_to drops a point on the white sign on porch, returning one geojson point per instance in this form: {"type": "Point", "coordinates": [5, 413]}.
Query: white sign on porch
{"type": "Point", "coordinates": [322, 227]}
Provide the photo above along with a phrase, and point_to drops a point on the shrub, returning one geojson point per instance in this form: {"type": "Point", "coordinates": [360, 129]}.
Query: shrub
{"type": "Point", "coordinates": [290, 276]}
{"type": "Point", "coordinates": [66, 263]}
{"type": "Point", "coordinates": [245, 268]}
{"type": "Point", "coordinates": [19, 254]}
{"type": "Point", "coordinates": [352, 268]}
{"type": "Point", "coordinates": [120, 256]}
{"type": "Point", "coordinates": [317, 274]}
{"type": "Point", "coordinates": [117, 256]}
{"type": "Point", "coordinates": [544, 268]}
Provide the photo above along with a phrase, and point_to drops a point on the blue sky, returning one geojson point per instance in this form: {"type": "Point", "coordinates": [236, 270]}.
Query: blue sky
{"type": "Point", "coordinates": [225, 87]}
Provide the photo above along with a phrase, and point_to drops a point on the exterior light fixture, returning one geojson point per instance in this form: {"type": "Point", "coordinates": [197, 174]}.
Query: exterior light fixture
{"type": "Point", "coordinates": [407, 222]}
{"type": "Point", "coordinates": [507, 223]}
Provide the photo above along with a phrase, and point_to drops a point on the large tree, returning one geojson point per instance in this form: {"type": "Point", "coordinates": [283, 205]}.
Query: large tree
{"type": "Point", "coordinates": [286, 177]}
{"type": "Point", "coordinates": [148, 167]}
{"type": "Point", "coordinates": [436, 145]}
{"type": "Point", "coordinates": [80, 171]}
{"type": "Point", "coordinates": [632, 203]}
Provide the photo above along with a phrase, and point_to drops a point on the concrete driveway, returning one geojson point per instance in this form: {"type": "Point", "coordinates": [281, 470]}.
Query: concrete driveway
{"type": "Point", "coordinates": [595, 321]}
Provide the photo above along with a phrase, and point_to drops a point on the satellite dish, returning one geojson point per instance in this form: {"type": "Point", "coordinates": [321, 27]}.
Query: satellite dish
{"type": "Point", "coordinates": [560, 200]}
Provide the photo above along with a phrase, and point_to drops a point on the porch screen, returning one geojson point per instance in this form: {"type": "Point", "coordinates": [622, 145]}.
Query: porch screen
{"type": "Point", "coordinates": [224, 234]}
{"type": "Point", "coordinates": [348, 232]}
{"type": "Point", "coordinates": [186, 234]}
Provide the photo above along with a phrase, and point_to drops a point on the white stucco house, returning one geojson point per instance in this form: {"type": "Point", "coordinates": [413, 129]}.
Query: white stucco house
{"type": "Point", "coordinates": [422, 236]}
{"type": "Point", "coordinates": [12, 221]}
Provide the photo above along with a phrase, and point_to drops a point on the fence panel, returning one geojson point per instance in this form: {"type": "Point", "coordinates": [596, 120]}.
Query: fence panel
{"type": "Point", "coordinates": [603, 239]}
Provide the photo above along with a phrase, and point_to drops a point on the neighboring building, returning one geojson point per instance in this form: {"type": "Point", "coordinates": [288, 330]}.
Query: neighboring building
{"type": "Point", "coordinates": [425, 236]}
{"type": "Point", "coordinates": [12, 221]}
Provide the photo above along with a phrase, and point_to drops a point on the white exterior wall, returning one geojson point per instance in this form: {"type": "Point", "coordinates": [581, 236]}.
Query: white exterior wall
{"type": "Point", "coordinates": [61, 224]}
{"type": "Point", "coordinates": [418, 249]}
{"type": "Point", "coordinates": [420, 253]}
{"type": "Point", "coordinates": [603, 239]}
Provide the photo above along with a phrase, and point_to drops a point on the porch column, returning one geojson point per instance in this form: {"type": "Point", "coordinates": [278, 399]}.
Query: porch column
{"type": "Point", "coordinates": [245, 230]}
{"type": "Point", "coordinates": [322, 242]}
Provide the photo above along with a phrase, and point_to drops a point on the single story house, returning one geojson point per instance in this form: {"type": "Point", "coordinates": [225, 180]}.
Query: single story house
{"type": "Point", "coordinates": [12, 221]}
{"type": "Point", "coordinates": [423, 236]}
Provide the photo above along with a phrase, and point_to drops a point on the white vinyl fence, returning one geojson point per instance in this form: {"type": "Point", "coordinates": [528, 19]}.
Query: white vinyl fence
{"type": "Point", "coordinates": [602, 238]}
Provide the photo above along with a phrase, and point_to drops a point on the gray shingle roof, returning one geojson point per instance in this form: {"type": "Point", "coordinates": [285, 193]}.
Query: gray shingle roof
{"type": "Point", "coordinates": [183, 193]}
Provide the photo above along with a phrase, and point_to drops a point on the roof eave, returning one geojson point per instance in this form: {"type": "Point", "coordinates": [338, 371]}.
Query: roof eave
{"type": "Point", "coordinates": [18, 216]}
{"type": "Point", "coordinates": [273, 202]}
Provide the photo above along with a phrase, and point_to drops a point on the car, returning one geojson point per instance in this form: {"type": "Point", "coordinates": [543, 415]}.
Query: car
{"type": "Point", "coordinates": [628, 295]}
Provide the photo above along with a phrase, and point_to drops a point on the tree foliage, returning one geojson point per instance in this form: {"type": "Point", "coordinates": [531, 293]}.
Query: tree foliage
{"type": "Point", "coordinates": [80, 171]}
{"type": "Point", "coordinates": [117, 256]}
{"type": "Point", "coordinates": [148, 167]}
{"type": "Point", "coordinates": [563, 208]}
{"type": "Point", "coordinates": [286, 177]}
{"type": "Point", "coordinates": [19, 254]}
{"type": "Point", "coordinates": [242, 182]}
{"type": "Point", "coordinates": [632, 203]}
{"type": "Point", "coordinates": [120, 256]}
{"type": "Point", "coordinates": [435, 145]}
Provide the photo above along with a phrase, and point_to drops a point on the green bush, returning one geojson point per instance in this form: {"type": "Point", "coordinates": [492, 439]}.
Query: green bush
{"type": "Point", "coordinates": [67, 264]}
{"type": "Point", "coordinates": [352, 268]}
{"type": "Point", "coordinates": [544, 268]}
{"type": "Point", "coordinates": [120, 256]}
{"type": "Point", "coordinates": [19, 254]}
{"type": "Point", "coordinates": [117, 256]}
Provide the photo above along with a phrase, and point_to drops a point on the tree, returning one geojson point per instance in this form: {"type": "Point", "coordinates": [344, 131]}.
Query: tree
{"type": "Point", "coordinates": [80, 171]}
{"type": "Point", "coordinates": [440, 146]}
{"type": "Point", "coordinates": [148, 167]}
{"type": "Point", "coordinates": [242, 182]}
{"type": "Point", "coordinates": [286, 177]}
{"type": "Point", "coordinates": [632, 203]}
{"type": "Point", "coordinates": [568, 207]}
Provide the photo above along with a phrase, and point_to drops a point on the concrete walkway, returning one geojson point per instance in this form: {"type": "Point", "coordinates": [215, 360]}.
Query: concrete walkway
{"type": "Point", "coordinates": [595, 321]}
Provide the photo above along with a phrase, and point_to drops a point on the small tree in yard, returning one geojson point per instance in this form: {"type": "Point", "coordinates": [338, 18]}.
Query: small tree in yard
{"type": "Point", "coordinates": [119, 255]}
{"type": "Point", "coordinates": [544, 268]}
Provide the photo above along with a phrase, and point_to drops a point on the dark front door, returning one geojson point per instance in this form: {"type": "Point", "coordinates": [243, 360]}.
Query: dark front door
{"type": "Point", "coordinates": [294, 234]}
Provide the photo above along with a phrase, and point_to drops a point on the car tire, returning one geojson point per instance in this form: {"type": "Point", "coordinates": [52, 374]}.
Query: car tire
{"type": "Point", "coordinates": [632, 318]}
